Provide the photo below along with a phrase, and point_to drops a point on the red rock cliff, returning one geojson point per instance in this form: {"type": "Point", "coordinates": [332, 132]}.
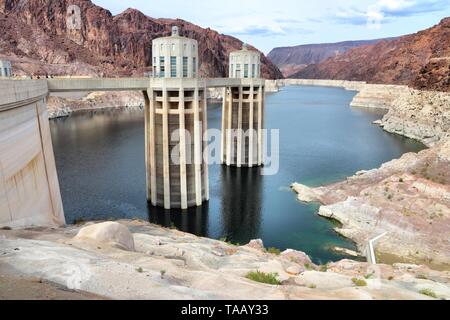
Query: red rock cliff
{"type": "Point", "coordinates": [421, 60]}
{"type": "Point", "coordinates": [36, 37]}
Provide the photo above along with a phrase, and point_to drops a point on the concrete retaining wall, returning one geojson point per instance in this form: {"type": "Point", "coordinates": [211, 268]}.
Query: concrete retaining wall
{"type": "Point", "coordinates": [29, 187]}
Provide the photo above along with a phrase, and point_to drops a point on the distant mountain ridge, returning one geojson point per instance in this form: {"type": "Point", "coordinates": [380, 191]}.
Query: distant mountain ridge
{"type": "Point", "coordinates": [295, 58]}
{"type": "Point", "coordinates": [35, 36]}
{"type": "Point", "coordinates": [420, 60]}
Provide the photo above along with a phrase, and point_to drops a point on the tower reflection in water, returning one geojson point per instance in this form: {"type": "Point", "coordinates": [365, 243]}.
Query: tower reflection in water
{"type": "Point", "coordinates": [236, 200]}
{"type": "Point", "coordinates": [241, 203]}
{"type": "Point", "coordinates": [193, 220]}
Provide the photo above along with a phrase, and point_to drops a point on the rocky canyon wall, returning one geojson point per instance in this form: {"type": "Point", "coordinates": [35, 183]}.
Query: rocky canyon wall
{"type": "Point", "coordinates": [40, 37]}
{"type": "Point", "coordinates": [420, 60]}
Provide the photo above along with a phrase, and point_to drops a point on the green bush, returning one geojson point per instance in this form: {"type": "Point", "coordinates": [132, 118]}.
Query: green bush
{"type": "Point", "coordinates": [359, 282]}
{"type": "Point", "coordinates": [273, 250]}
{"type": "Point", "coordinates": [308, 266]}
{"type": "Point", "coordinates": [323, 268]}
{"type": "Point", "coordinates": [368, 276]}
{"type": "Point", "coordinates": [268, 278]}
{"type": "Point", "coordinates": [428, 292]}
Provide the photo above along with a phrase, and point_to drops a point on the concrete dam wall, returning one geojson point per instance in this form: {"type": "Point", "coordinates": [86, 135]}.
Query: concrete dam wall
{"type": "Point", "coordinates": [29, 187]}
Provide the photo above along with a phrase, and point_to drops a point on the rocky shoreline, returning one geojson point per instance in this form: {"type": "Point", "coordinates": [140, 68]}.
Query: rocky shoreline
{"type": "Point", "coordinates": [409, 198]}
{"type": "Point", "coordinates": [59, 107]}
{"type": "Point", "coordinates": [137, 260]}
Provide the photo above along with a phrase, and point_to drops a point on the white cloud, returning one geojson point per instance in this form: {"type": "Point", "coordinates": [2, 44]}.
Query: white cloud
{"type": "Point", "coordinates": [387, 10]}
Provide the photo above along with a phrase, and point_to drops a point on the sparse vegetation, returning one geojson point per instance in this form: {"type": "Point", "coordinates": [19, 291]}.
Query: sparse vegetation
{"type": "Point", "coordinates": [390, 278]}
{"type": "Point", "coordinates": [6, 228]}
{"type": "Point", "coordinates": [429, 293]}
{"type": "Point", "coordinates": [401, 180]}
{"type": "Point", "coordinates": [312, 286]}
{"type": "Point", "coordinates": [78, 221]}
{"type": "Point", "coordinates": [229, 242]}
{"type": "Point", "coordinates": [274, 251]}
{"type": "Point", "coordinates": [359, 282]}
{"type": "Point", "coordinates": [262, 277]}
{"type": "Point", "coordinates": [294, 259]}
{"type": "Point", "coordinates": [163, 273]}
{"type": "Point", "coordinates": [368, 276]}
{"type": "Point", "coordinates": [421, 276]}
{"type": "Point", "coordinates": [173, 227]}
{"type": "Point", "coordinates": [323, 268]}
{"type": "Point", "coordinates": [139, 269]}
{"type": "Point", "coordinates": [308, 266]}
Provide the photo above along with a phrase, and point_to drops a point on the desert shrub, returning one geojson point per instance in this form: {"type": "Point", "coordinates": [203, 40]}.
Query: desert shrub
{"type": "Point", "coordinates": [429, 293]}
{"type": "Point", "coordinates": [323, 268]}
{"type": "Point", "coordinates": [273, 250]}
{"type": "Point", "coordinates": [262, 277]}
{"type": "Point", "coordinates": [308, 266]}
{"type": "Point", "coordinates": [368, 276]}
{"type": "Point", "coordinates": [359, 282]}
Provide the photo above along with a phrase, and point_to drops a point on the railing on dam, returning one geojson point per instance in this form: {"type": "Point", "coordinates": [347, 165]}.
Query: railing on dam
{"type": "Point", "coordinates": [97, 84]}
{"type": "Point", "coordinates": [139, 84]}
{"type": "Point", "coordinates": [15, 93]}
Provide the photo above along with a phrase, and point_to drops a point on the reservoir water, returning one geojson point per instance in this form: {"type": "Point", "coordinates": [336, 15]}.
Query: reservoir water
{"type": "Point", "coordinates": [100, 162]}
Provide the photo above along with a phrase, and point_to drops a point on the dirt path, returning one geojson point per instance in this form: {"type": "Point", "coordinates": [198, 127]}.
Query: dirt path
{"type": "Point", "coordinates": [24, 288]}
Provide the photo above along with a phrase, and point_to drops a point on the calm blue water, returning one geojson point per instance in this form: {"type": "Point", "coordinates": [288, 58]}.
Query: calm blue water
{"type": "Point", "coordinates": [100, 161]}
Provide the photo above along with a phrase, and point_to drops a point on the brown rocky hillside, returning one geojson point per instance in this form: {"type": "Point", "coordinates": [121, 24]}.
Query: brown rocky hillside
{"type": "Point", "coordinates": [36, 38]}
{"type": "Point", "coordinates": [421, 60]}
{"type": "Point", "coordinates": [293, 59]}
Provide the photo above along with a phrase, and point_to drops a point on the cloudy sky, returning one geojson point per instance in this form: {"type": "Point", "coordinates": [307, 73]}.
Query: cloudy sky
{"type": "Point", "coordinates": [273, 23]}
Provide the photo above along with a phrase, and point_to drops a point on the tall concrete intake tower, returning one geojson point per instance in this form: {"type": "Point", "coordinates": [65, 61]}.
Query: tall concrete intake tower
{"type": "Point", "coordinates": [5, 68]}
{"type": "Point", "coordinates": [175, 120]}
{"type": "Point", "coordinates": [243, 112]}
